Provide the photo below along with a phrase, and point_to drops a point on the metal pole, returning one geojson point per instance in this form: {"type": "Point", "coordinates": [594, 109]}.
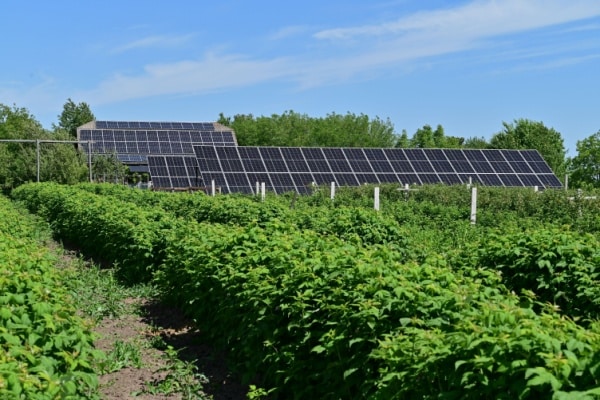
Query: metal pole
{"type": "Point", "coordinates": [332, 190]}
{"type": "Point", "coordinates": [90, 158]}
{"type": "Point", "coordinates": [376, 199]}
{"type": "Point", "coordinates": [37, 157]}
{"type": "Point", "coordinates": [473, 205]}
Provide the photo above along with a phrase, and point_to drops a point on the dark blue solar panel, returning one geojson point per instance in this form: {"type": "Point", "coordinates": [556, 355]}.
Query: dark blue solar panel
{"type": "Point", "coordinates": [462, 166]}
{"type": "Point", "coordinates": [429, 178]}
{"type": "Point", "coordinates": [470, 178]}
{"type": "Point", "coordinates": [253, 165]}
{"type": "Point", "coordinates": [303, 180]}
{"type": "Point", "coordinates": [339, 165]}
{"type": "Point", "coordinates": [490, 180]}
{"type": "Point", "coordinates": [161, 182]}
{"type": "Point", "coordinates": [312, 153]}
{"type": "Point", "coordinates": [550, 181]}
{"type": "Point", "coordinates": [532, 155]}
{"type": "Point", "coordinates": [521, 167]}
{"type": "Point", "coordinates": [402, 166]}
{"type": "Point", "coordinates": [501, 167]}
{"type": "Point", "coordinates": [482, 167]}
{"type": "Point", "coordinates": [422, 166]}
{"type": "Point", "coordinates": [367, 178]}
{"type": "Point", "coordinates": [249, 153]}
{"type": "Point", "coordinates": [530, 180]}
{"type": "Point", "coordinates": [353, 155]}
{"type": "Point", "coordinates": [540, 167]}
{"type": "Point", "coordinates": [395, 154]}
{"type": "Point", "coordinates": [450, 179]}
{"type": "Point", "coordinates": [512, 155]}
{"type": "Point", "coordinates": [297, 165]}
{"type": "Point", "coordinates": [237, 180]}
{"type": "Point", "coordinates": [442, 166]}
{"type": "Point", "coordinates": [455, 155]}
{"type": "Point", "coordinates": [510, 180]}
{"type": "Point", "coordinates": [323, 179]}
{"type": "Point", "coordinates": [410, 179]}
{"type": "Point", "coordinates": [475, 155]}
{"type": "Point", "coordinates": [318, 165]}
{"type": "Point", "coordinates": [382, 166]}
{"type": "Point", "coordinates": [415, 154]}
{"type": "Point", "coordinates": [388, 178]}
{"type": "Point", "coordinates": [332, 153]}
{"type": "Point", "coordinates": [346, 179]}
{"type": "Point", "coordinates": [275, 165]}
{"type": "Point", "coordinates": [292, 153]}
{"type": "Point", "coordinates": [218, 178]}
{"type": "Point", "coordinates": [260, 178]}
{"type": "Point", "coordinates": [435, 154]}
{"type": "Point", "coordinates": [361, 166]}
{"type": "Point", "coordinates": [494, 155]}
{"type": "Point", "coordinates": [375, 154]}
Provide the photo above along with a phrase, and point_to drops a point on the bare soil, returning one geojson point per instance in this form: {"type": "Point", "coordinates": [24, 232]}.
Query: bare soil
{"type": "Point", "coordinates": [166, 323]}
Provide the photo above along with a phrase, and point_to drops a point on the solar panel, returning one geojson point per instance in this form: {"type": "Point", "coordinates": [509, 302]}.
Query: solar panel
{"type": "Point", "coordinates": [174, 171]}
{"type": "Point", "coordinates": [132, 139]}
{"type": "Point", "coordinates": [288, 168]}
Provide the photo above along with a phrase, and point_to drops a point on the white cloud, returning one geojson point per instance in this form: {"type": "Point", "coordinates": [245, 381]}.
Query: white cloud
{"type": "Point", "coordinates": [476, 19]}
{"type": "Point", "coordinates": [349, 52]}
{"type": "Point", "coordinates": [211, 74]}
{"type": "Point", "coordinates": [289, 31]}
{"type": "Point", "coordinates": [161, 41]}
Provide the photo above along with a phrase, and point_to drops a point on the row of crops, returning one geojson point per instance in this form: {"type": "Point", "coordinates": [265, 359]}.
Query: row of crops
{"type": "Point", "coordinates": [314, 299]}
{"type": "Point", "coordinates": [46, 351]}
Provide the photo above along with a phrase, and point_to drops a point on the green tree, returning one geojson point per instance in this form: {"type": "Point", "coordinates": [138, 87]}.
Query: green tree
{"type": "Point", "coordinates": [73, 116]}
{"type": "Point", "coordinates": [108, 168]}
{"type": "Point", "coordinates": [584, 168]}
{"type": "Point", "coordinates": [294, 129]}
{"type": "Point", "coordinates": [427, 137]}
{"type": "Point", "coordinates": [403, 140]}
{"type": "Point", "coordinates": [18, 160]}
{"type": "Point", "coordinates": [423, 138]}
{"type": "Point", "coordinates": [62, 163]}
{"type": "Point", "coordinates": [476, 143]}
{"type": "Point", "coordinates": [526, 134]}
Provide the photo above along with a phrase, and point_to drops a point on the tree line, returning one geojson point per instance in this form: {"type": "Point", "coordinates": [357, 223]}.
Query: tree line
{"type": "Point", "coordinates": [351, 130]}
{"type": "Point", "coordinates": [59, 162]}
{"type": "Point", "coordinates": [65, 163]}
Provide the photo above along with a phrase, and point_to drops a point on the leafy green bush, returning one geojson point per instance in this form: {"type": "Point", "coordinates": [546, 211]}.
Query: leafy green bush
{"type": "Point", "coordinates": [46, 351]}
{"type": "Point", "coordinates": [558, 266]}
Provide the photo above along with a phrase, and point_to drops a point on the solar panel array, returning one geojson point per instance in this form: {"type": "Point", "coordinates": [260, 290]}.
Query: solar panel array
{"type": "Point", "coordinates": [283, 169]}
{"type": "Point", "coordinates": [134, 141]}
{"type": "Point", "coordinates": [174, 171]}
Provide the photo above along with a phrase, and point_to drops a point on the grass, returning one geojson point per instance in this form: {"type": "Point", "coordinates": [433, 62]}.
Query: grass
{"type": "Point", "coordinates": [100, 295]}
{"type": "Point", "coordinates": [181, 377]}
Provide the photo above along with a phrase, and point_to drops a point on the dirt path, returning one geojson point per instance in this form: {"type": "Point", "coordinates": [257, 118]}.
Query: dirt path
{"type": "Point", "coordinates": [173, 361]}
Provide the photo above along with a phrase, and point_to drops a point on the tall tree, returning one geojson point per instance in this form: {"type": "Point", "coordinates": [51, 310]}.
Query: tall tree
{"type": "Point", "coordinates": [73, 116]}
{"type": "Point", "coordinates": [584, 168]}
{"type": "Point", "coordinates": [526, 134]}
{"type": "Point", "coordinates": [476, 143]}
{"type": "Point", "coordinates": [18, 159]}
{"type": "Point", "coordinates": [294, 129]}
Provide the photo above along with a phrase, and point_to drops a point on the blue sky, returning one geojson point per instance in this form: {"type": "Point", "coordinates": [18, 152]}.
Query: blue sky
{"type": "Point", "coordinates": [467, 65]}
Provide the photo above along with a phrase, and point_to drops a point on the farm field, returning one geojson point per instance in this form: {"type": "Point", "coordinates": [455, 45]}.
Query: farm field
{"type": "Point", "coordinates": [313, 298]}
